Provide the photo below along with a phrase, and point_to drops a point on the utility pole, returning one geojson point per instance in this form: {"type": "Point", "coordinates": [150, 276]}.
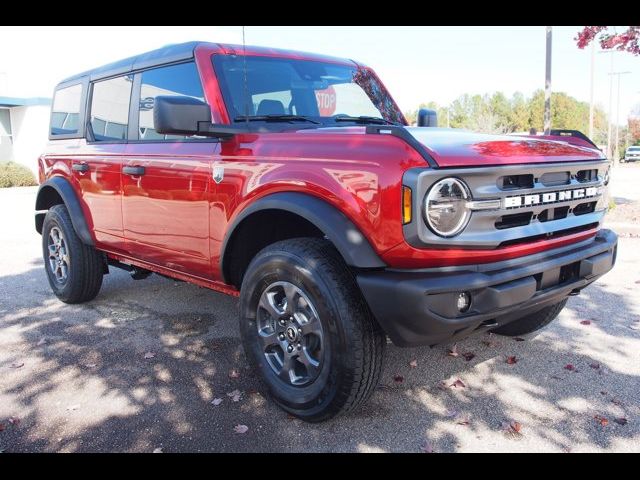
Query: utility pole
{"type": "Point", "coordinates": [616, 156]}
{"type": "Point", "coordinates": [547, 86]}
{"type": "Point", "coordinates": [610, 111]}
{"type": "Point", "coordinates": [593, 57]}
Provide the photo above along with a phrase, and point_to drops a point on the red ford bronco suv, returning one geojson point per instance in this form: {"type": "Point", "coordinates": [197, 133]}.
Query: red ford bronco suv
{"type": "Point", "coordinates": [293, 181]}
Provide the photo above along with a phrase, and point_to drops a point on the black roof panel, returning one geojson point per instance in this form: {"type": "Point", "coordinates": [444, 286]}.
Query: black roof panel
{"type": "Point", "coordinates": [169, 53]}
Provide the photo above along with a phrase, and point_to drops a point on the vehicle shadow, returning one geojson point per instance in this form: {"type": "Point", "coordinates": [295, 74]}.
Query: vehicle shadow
{"type": "Point", "coordinates": [137, 368]}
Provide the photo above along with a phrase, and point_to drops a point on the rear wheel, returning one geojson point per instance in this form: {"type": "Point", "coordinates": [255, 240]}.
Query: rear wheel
{"type": "Point", "coordinates": [307, 330]}
{"type": "Point", "coordinates": [74, 270]}
{"type": "Point", "coordinates": [532, 322]}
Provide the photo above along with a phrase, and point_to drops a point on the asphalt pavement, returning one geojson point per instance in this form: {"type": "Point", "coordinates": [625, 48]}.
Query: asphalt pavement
{"type": "Point", "coordinates": [143, 366]}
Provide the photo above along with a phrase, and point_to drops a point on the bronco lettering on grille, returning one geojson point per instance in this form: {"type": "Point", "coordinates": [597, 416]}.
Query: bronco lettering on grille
{"type": "Point", "coordinates": [518, 201]}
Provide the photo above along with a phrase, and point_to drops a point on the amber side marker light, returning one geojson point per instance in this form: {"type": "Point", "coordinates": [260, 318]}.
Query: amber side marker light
{"type": "Point", "coordinates": [406, 205]}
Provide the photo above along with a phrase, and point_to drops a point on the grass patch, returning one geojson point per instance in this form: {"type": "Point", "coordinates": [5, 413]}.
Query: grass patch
{"type": "Point", "coordinates": [15, 175]}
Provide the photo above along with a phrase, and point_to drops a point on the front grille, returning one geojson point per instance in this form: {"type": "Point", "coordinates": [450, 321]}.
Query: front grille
{"type": "Point", "coordinates": [515, 182]}
{"type": "Point", "coordinates": [514, 220]}
{"type": "Point", "coordinates": [536, 201]}
{"type": "Point", "coordinates": [587, 175]}
{"type": "Point", "coordinates": [553, 179]}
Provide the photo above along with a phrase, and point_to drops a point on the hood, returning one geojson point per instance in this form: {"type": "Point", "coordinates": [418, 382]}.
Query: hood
{"type": "Point", "coordinates": [461, 148]}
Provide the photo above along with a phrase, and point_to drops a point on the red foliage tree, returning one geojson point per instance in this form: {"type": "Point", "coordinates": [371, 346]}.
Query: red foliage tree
{"type": "Point", "coordinates": [627, 41]}
{"type": "Point", "coordinates": [634, 129]}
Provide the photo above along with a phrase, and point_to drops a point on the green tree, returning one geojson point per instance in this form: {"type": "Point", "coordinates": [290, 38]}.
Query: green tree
{"type": "Point", "coordinates": [518, 116]}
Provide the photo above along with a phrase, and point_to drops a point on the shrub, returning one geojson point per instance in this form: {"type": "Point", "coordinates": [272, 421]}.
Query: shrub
{"type": "Point", "coordinates": [15, 175]}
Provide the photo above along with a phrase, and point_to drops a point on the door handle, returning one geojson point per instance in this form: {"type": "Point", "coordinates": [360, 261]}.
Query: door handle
{"type": "Point", "coordinates": [133, 171]}
{"type": "Point", "coordinates": [80, 167]}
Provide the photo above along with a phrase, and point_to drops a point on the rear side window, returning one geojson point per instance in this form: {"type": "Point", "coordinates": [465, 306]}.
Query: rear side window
{"type": "Point", "coordinates": [110, 108]}
{"type": "Point", "coordinates": [65, 114]}
{"type": "Point", "coordinates": [177, 80]}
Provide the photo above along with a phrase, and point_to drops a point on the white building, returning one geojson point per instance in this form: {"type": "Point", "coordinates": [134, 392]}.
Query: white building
{"type": "Point", "coordinates": [24, 127]}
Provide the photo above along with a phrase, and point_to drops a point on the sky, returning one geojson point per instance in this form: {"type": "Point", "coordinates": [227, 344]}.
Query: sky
{"type": "Point", "coordinates": [417, 64]}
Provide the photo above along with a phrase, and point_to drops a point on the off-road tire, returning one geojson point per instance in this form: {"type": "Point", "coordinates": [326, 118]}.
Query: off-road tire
{"type": "Point", "coordinates": [532, 322]}
{"type": "Point", "coordinates": [352, 341]}
{"type": "Point", "coordinates": [86, 264]}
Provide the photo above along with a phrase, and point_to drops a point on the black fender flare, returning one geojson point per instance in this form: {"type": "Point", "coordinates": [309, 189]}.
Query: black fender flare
{"type": "Point", "coordinates": [345, 236]}
{"type": "Point", "coordinates": [66, 191]}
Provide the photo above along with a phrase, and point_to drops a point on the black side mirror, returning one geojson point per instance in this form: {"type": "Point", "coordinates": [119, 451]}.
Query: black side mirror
{"type": "Point", "coordinates": [180, 115]}
{"type": "Point", "coordinates": [427, 118]}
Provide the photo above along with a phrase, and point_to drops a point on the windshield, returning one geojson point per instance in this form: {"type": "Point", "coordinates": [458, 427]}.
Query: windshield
{"type": "Point", "coordinates": [320, 91]}
{"type": "Point", "coordinates": [634, 149]}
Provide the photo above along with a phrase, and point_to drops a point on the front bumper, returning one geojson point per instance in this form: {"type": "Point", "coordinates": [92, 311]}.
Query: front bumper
{"type": "Point", "coordinates": [419, 307]}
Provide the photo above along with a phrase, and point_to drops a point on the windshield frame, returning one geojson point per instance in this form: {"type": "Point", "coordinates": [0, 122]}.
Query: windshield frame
{"type": "Point", "coordinates": [393, 114]}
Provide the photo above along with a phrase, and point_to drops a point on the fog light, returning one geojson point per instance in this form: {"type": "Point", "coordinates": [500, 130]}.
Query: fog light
{"type": "Point", "coordinates": [463, 302]}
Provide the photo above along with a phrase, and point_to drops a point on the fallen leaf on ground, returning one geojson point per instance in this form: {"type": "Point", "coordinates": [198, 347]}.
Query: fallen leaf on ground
{"type": "Point", "coordinates": [453, 351]}
{"type": "Point", "coordinates": [511, 428]}
{"type": "Point", "coordinates": [512, 360]}
{"type": "Point", "coordinates": [617, 401]}
{"type": "Point", "coordinates": [216, 401]}
{"type": "Point", "coordinates": [595, 366]}
{"type": "Point", "coordinates": [556, 377]}
{"type": "Point", "coordinates": [585, 322]}
{"type": "Point", "coordinates": [157, 450]}
{"type": "Point", "coordinates": [426, 447]}
{"type": "Point", "coordinates": [42, 341]}
{"type": "Point", "coordinates": [519, 339]}
{"type": "Point", "coordinates": [398, 378]}
{"type": "Point", "coordinates": [234, 373]}
{"type": "Point", "coordinates": [17, 365]}
{"type": "Point", "coordinates": [149, 355]}
{"type": "Point", "coordinates": [570, 367]}
{"type": "Point", "coordinates": [2, 427]}
{"type": "Point", "coordinates": [73, 407]}
{"type": "Point", "coordinates": [603, 392]}
{"type": "Point", "coordinates": [14, 421]}
{"type": "Point", "coordinates": [235, 395]}
{"type": "Point", "coordinates": [442, 385]}
{"type": "Point", "coordinates": [241, 429]}
{"type": "Point", "coordinates": [463, 421]}
{"type": "Point", "coordinates": [413, 363]}
{"type": "Point", "coordinates": [601, 420]}
{"type": "Point", "coordinates": [451, 413]}
{"type": "Point", "coordinates": [468, 356]}
{"type": "Point", "coordinates": [90, 365]}
{"type": "Point", "coordinates": [458, 383]}
{"type": "Point", "coordinates": [621, 421]}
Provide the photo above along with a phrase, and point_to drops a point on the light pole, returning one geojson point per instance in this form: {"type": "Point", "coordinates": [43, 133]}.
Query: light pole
{"type": "Point", "coordinates": [617, 146]}
{"type": "Point", "coordinates": [547, 86]}
{"type": "Point", "coordinates": [610, 112]}
{"type": "Point", "coordinates": [593, 57]}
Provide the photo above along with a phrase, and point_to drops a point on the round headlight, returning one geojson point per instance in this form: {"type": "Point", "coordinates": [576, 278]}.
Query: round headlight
{"type": "Point", "coordinates": [446, 209]}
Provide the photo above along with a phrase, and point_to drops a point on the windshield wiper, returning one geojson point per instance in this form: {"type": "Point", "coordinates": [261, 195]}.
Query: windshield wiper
{"type": "Point", "coordinates": [364, 119]}
{"type": "Point", "coordinates": [275, 118]}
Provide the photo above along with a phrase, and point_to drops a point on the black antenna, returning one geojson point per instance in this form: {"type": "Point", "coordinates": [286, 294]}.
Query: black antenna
{"type": "Point", "coordinates": [246, 89]}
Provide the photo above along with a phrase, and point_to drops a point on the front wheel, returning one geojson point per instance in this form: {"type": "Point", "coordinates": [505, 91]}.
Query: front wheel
{"type": "Point", "coordinates": [307, 330]}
